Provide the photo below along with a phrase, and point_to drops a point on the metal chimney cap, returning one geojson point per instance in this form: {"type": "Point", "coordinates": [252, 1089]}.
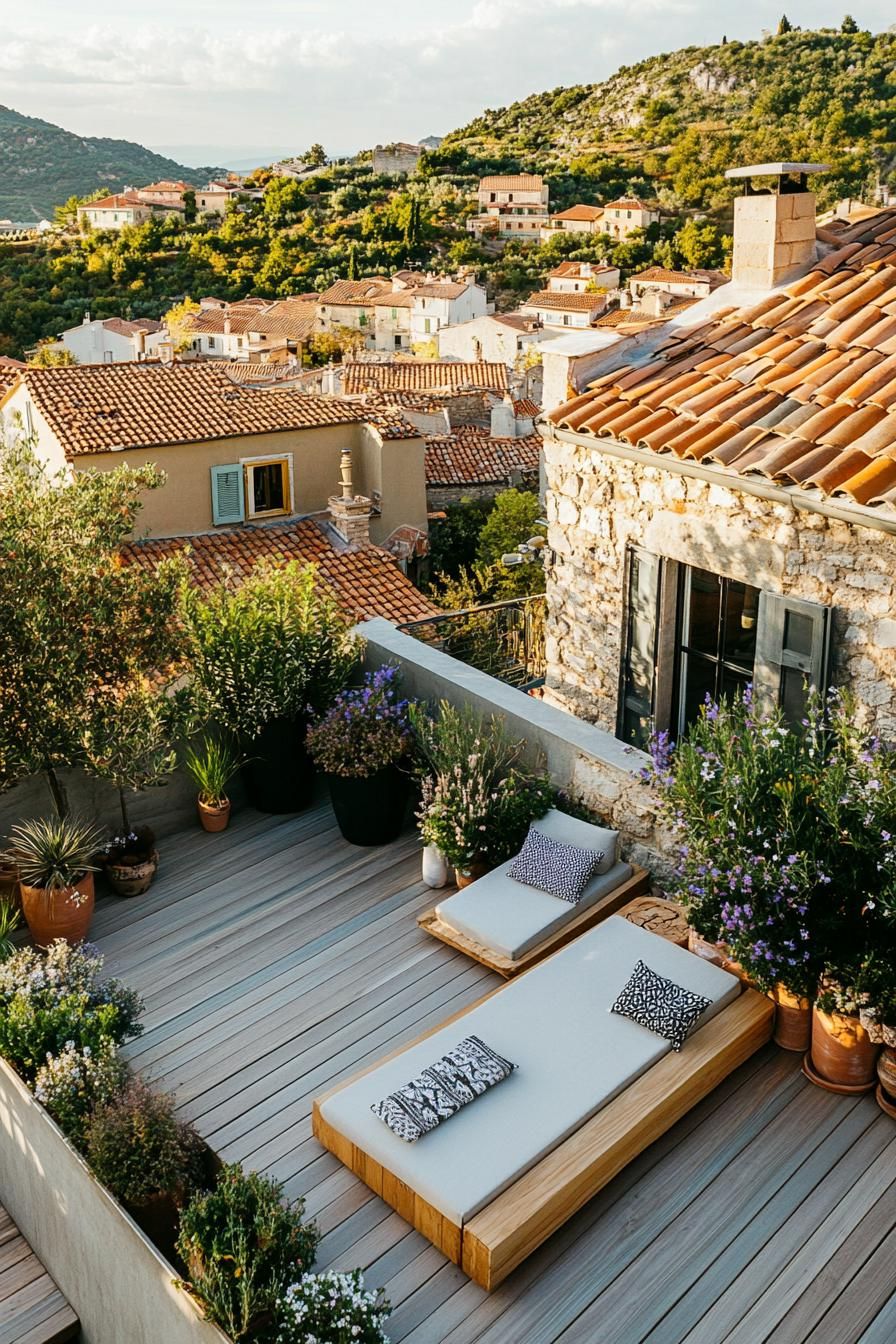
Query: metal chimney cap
{"type": "Point", "coordinates": [777, 169]}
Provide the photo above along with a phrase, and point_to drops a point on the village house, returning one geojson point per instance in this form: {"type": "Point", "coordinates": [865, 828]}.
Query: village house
{"type": "Point", "coordinates": [513, 206]}
{"type": "Point", "coordinates": [722, 493]}
{"type": "Point", "coordinates": [677, 284]}
{"type": "Point", "coordinates": [111, 340]}
{"type": "Point", "coordinates": [233, 453]}
{"type": "Point", "coordinates": [257, 330]}
{"type": "Point", "coordinates": [398, 313]}
{"type": "Point", "coordinates": [555, 308]}
{"type": "Point", "coordinates": [471, 462]}
{"type": "Point", "coordinates": [503, 338]}
{"type": "Point", "coordinates": [114, 212]}
{"type": "Point", "coordinates": [588, 219]}
{"type": "Point", "coordinates": [578, 277]}
{"type": "Point", "coordinates": [622, 217]}
{"type": "Point", "coordinates": [167, 194]}
{"type": "Point", "coordinates": [215, 197]}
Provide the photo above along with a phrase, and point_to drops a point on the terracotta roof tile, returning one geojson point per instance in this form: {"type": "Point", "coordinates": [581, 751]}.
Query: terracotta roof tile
{"type": "Point", "coordinates": [96, 408]}
{"type": "Point", "coordinates": [471, 456]}
{"type": "Point", "coordinates": [365, 580]}
{"type": "Point", "coordinates": [799, 386]}
{"type": "Point", "coordinates": [409, 375]}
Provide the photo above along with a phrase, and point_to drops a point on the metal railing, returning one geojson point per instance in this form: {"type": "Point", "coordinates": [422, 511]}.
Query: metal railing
{"type": "Point", "coordinates": [504, 639]}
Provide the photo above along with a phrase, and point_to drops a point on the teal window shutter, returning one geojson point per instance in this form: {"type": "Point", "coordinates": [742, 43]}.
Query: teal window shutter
{"type": "Point", "coordinates": [228, 505]}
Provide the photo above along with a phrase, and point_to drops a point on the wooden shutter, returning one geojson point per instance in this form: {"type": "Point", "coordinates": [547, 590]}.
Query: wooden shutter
{"type": "Point", "coordinates": [638, 679]}
{"type": "Point", "coordinates": [228, 500]}
{"type": "Point", "coordinates": [792, 652]}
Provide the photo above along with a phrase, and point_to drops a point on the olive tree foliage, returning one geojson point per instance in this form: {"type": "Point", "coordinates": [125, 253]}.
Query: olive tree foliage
{"type": "Point", "coordinates": [77, 625]}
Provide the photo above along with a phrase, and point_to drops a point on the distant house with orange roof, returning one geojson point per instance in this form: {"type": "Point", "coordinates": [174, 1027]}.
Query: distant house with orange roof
{"type": "Point", "coordinates": [511, 206]}
{"type": "Point", "coordinates": [587, 219]}
{"type": "Point", "coordinates": [622, 217]}
{"type": "Point", "coordinates": [114, 212]}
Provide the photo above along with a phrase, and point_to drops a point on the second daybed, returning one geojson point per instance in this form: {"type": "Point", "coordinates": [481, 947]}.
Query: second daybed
{"type": "Point", "coordinates": [590, 1091]}
{"type": "Point", "coordinates": [509, 926]}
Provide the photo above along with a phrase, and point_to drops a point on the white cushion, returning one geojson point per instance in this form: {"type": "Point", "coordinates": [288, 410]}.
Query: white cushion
{"type": "Point", "coordinates": [508, 917]}
{"type": "Point", "coordinates": [572, 1056]}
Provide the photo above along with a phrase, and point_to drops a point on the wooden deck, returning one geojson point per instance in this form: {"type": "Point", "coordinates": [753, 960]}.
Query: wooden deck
{"type": "Point", "coordinates": [32, 1309]}
{"type": "Point", "coordinates": [276, 959]}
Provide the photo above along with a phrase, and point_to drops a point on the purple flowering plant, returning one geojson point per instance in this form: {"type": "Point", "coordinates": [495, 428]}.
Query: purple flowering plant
{"type": "Point", "coordinates": [366, 729]}
{"type": "Point", "coordinates": [782, 846]}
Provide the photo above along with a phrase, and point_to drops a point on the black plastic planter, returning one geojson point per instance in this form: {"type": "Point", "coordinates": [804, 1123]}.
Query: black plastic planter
{"type": "Point", "coordinates": [279, 775]}
{"type": "Point", "coordinates": [370, 810]}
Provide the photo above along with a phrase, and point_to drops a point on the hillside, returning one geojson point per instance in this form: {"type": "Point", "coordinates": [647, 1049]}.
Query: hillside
{"type": "Point", "coordinates": [673, 123]}
{"type": "Point", "coordinates": [41, 165]}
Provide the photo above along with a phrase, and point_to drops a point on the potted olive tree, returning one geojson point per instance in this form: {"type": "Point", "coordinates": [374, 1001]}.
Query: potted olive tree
{"type": "Point", "coordinates": [129, 740]}
{"type": "Point", "coordinates": [55, 862]}
{"type": "Point", "coordinates": [74, 620]}
{"type": "Point", "coordinates": [268, 655]}
{"type": "Point", "coordinates": [361, 745]}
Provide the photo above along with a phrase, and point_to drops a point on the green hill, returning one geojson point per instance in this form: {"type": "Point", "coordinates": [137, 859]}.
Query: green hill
{"type": "Point", "coordinates": [672, 124]}
{"type": "Point", "coordinates": [41, 165]}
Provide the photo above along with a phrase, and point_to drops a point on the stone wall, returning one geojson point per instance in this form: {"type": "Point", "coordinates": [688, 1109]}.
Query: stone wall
{"type": "Point", "coordinates": [597, 504]}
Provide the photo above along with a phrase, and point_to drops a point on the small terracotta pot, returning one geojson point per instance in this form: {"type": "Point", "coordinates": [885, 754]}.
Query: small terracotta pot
{"type": "Point", "coordinates": [213, 818]}
{"type": "Point", "coordinates": [50, 913]}
{"type": "Point", "coordinates": [886, 1071]}
{"type": "Point", "coordinates": [842, 1052]}
{"type": "Point", "coordinates": [475, 870]}
{"type": "Point", "coordinates": [132, 879]}
{"type": "Point", "coordinates": [793, 1020]}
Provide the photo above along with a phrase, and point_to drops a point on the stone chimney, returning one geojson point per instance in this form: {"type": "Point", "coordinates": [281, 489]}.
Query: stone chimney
{"type": "Point", "coordinates": [350, 513]}
{"type": "Point", "coordinates": [654, 302]}
{"type": "Point", "coordinates": [503, 419]}
{"type": "Point", "coordinates": [774, 228]}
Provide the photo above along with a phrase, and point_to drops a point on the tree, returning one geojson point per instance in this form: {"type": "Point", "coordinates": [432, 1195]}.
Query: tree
{"type": "Point", "coordinates": [190, 210]}
{"type": "Point", "coordinates": [849, 24]}
{"type": "Point", "coordinates": [784, 26]}
{"type": "Point", "coordinates": [511, 522]}
{"type": "Point", "coordinates": [75, 623]}
{"type": "Point", "coordinates": [46, 357]}
{"type": "Point", "coordinates": [352, 268]}
{"type": "Point", "coordinates": [316, 156]}
{"type": "Point", "coordinates": [178, 322]}
{"type": "Point", "coordinates": [130, 735]}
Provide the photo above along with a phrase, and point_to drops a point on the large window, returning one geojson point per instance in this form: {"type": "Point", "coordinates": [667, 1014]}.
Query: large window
{"type": "Point", "coordinates": [257, 488]}
{"type": "Point", "coordinates": [267, 488]}
{"type": "Point", "coordinates": [690, 633]}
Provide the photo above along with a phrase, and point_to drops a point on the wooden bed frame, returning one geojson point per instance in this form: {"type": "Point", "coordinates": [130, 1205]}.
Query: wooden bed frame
{"type": "Point", "coordinates": [516, 1222]}
{"type": "Point", "coordinates": [636, 885]}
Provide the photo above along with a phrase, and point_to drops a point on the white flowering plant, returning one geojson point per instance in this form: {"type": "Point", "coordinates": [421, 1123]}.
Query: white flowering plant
{"type": "Point", "coordinates": [77, 1080]}
{"type": "Point", "coordinates": [332, 1308]}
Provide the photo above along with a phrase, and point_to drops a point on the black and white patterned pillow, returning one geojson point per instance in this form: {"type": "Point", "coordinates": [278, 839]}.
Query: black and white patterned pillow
{"type": "Point", "coordinates": [459, 1077]}
{"type": "Point", "coordinates": [560, 870]}
{"type": "Point", "coordinates": [660, 1005]}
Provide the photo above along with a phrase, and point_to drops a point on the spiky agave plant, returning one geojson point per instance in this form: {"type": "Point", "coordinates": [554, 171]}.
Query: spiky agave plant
{"type": "Point", "coordinates": [54, 852]}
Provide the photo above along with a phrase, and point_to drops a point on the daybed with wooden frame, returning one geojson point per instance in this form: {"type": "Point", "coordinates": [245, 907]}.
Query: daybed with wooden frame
{"type": "Point", "coordinates": [509, 927]}
{"type": "Point", "coordinates": [591, 1091]}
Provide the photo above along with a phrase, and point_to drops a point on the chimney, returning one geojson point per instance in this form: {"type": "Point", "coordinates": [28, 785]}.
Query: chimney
{"type": "Point", "coordinates": [774, 228]}
{"type": "Point", "coordinates": [350, 513]}
{"type": "Point", "coordinates": [165, 351]}
{"type": "Point", "coordinates": [654, 302]}
{"type": "Point", "coordinates": [503, 419]}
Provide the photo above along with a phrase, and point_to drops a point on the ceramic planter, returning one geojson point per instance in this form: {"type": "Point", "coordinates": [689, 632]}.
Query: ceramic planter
{"type": "Point", "coordinates": [886, 1071]}
{"type": "Point", "coordinates": [842, 1053]}
{"type": "Point", "coordinates": [132, 879]}
{"type": "Point", "coordinates": [793, 1020]}
{"type": "Point", "coordinates": [434, 867]}
{"type": "Point", "coordinates": [370, 809]}
{"type": "Point", "coordinates": [52, 913]}
{"type": "Point", "coordinates": [279, 774]}
{"type": "Point", "coordinates": [214, 817]}
{"type": "Point", "coordinates": [463, 877]}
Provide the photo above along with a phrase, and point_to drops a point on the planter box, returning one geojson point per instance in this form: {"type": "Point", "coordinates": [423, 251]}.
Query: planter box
{"type": "Point", "coordinates": [119, 1284]}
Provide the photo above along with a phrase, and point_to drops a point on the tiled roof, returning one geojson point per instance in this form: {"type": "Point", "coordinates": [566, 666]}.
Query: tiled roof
{"type": "Point", "coordinates": [122, 327]}
{"type": "Point", "coordinates": [628, 203]}
{"type": "Point", "coordinates": [122, 202]}
{"type": "Point", "coordinates": [581, 212]}
{"type": "Point", "coordinates": [210, 321]}
{"type": "Point", "coordinates": [95, 408]}
{"type": "Point", "coordinates": [365, 580]}
{"type": "Point", "coordinates": [394, 298]}
{"type": "Point", "coordinates": [519, 182]}
{"type": "Point", "coordinates": [470, 456]}
{"type": "Point", "coordinates": [552, 298]}
{"type": "Point", "coordinates": [355, 291]}
{"type": "Point", "coordinates": [798, 387]}
{"type": "Point", "coordinates": [295, 321]}
{"type": "Point", "coordinates": [660, 275]}
{"type": "Point", "coordinates": [167, 186]}
{"type": "Point", "coordinates": [573, 270]}
{"type": "Point", "coordinates": [525, 406]}
{"type": "Point", "coordinates": [418, 375]}
{"type": "Point", "coordinates": [636, 319]}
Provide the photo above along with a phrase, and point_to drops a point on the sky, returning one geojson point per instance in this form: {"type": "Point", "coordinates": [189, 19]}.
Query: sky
{"type": "Point", "coordinates": [214, 81]}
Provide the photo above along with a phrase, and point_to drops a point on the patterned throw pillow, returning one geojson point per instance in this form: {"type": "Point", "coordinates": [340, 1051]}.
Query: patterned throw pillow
{"type": "Point", "coordinates": [660, 1005]}
{"type": "Point", "coordinates": [560, 870]}
{"type": "Point", "coordinates": [461, 1075]}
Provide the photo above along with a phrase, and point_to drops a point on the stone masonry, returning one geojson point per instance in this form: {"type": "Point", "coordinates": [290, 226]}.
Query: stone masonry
{"type": "Point", "coordinates": [597, 504]}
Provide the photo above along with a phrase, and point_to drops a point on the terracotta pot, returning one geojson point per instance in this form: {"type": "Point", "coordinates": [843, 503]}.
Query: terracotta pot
{"type": "Point", "coordinates": [886, 1070]}
{"type": "Point", "coordinates": [213, 818]}
{"type": "Point", "coordinates": [841, 1050]}
{"type": "Point", "coordinates": [793, 1019]}
{"type": "Point", "coordinates": [51, 913]}
{"type": "Point", "coordinates": [9, 883]}
{"type": "Point", "coordinates": [475, 870]}
{"type": "Point", "coordinates": [132, 879]}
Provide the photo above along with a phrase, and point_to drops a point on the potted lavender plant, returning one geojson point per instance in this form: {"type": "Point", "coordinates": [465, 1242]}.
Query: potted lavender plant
{"type": "Point", "coordinates": [360, 745]}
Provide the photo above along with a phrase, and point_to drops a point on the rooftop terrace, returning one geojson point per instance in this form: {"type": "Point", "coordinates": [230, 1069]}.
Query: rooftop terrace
{"type": "Point", "coordinates": [276, 958]}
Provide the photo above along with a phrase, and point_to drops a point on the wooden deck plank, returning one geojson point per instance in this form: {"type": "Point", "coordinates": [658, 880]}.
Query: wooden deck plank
{"type": "Point", "coordinates": [276, 959]}
{"type": "Point", "coordinates": [32, 1309]}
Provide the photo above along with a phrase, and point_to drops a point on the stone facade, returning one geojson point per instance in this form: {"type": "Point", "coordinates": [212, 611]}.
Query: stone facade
{"type": "Point", "coordinates": [597, 504]}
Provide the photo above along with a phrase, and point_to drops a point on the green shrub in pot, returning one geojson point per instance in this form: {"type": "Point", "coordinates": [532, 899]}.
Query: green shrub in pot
{"type": "Point", "coordinates": [139, 1149]}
